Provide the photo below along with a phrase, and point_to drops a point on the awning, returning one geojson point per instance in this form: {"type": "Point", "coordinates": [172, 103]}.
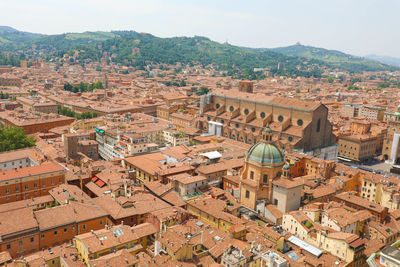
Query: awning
{"type": "Point", "coordinates": [212, 155]}
{"type": "Point", "coordinates": [304, 245]}
{"type": "Point", "coordinates": [100, 183]}
{"type": "Point", "coordinates": [357, 243]}
{"type": "Point", "coordinates": [344, 159]}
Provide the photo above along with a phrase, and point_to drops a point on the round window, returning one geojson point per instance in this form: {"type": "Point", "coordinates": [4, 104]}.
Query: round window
{"type": "Point", "coordinates": [300, 122]}
{"type": "Point", "coordinates": [280, 118]}
{"type": "Point", "coordinates": [231, 108]}
{"type": "Point", "coordinates": [253, 129]}
{"type": "Point", "coordinates": [217, 105]}
{"type": "Point", "coordinates": [246, 111]}
{"type": "Point", "coordinates": [290, 138]}
{"type": "Point", "coordinates": [262, 115]}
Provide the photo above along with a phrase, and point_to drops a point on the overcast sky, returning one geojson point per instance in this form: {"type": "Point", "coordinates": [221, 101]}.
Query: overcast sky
{"type": "Point", "coordinates": [358, 27]}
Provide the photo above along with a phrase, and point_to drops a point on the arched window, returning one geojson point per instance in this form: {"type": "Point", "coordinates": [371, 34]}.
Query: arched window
{"type": "Point", "coordinates": [217, 105]}
{"type": "Point", "coordinates": [318, 125]}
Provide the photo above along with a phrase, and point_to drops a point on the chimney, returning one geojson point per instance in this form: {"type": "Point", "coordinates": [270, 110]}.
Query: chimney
{"type": "Point", "coordinates": [122, 223]}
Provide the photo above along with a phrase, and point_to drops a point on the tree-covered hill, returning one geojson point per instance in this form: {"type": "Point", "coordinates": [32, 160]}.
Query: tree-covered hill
{"type": "Point", "coordinates": [140, 49]}
{"type": "Point", "coordinates": [334, 58]}
{"type": "Point", "coordinates": [68, 41]}
{"type": "Point", "coordinates": [11, 38]}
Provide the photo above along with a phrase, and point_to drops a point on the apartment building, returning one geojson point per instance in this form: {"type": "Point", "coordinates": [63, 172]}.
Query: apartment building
{"type": "Point", "coordinates": [34, 123]}
{"type": "Point", "coordinates": [61, 224]}
{"type": "Point", "coordinates": [219, 215]}
{"type": "Point", "coordinates": [19, 232]}
{"type": "Point", "coordinates": [7, 79]}
{"type": "Point", "coordinates": [357, 148]}
{"type": "Point", "coordinates": [37, 104]}
{"type": "Point", "coordinates": [175, 138]}
{"type": "Point", "coordinates": [372, 112]}
{"type": "Point", "coordinates": [350, 199]}
{"type": "Point", "coordinates": [28, 182]}
{"type": "Point", "coordinates": [20, 158]}
{"type": "Point", "coordinates": [346, 246]}
{"type": "Point", "coordinates": [350, 110]}
{"type": "Point", "coordinates": [95, 244]}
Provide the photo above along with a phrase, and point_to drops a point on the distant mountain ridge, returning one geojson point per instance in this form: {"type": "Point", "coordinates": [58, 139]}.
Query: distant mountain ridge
{"type": "Point", "coordinates": [10, 37]}
{"type": "Point", "coordinates": [394, 61]}
{"type": "Point", "coordinates": [333, 58]}
{"type": "Point", "coordinates": [7, 29]}
{"type": "Point", "coordinates": [138, 49]}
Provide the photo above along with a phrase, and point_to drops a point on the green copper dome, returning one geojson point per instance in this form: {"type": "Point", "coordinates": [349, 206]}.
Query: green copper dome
{"type": "Point", "coordinates": [264, 152]}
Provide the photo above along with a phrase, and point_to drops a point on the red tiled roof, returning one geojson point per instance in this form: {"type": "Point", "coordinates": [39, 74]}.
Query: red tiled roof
{"type": "Point", "coordinates": [30, 171]}
{"type": "Point", "coordinates": [100, 183]}
{"type": "Point", "coordinates": [357, 243]}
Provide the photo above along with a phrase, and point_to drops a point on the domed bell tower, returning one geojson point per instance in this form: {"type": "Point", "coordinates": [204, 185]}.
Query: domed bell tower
{"type": "Point", "coordinates": [267, 134]}
{"type": "Point", "coordinates": [286, 171]}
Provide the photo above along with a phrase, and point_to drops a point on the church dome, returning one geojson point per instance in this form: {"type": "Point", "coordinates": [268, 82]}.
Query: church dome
{"type": "Point", "coordinates": [265, 153]}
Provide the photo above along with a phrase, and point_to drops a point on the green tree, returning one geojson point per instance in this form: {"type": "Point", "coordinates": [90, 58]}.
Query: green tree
{"type": "Point", "coordinates": [202, 91]}
{"type": "Point", "coordinates": [14, 138]}
{"type": "Point", "coordinates": [330, 80]}
{"type": "Point", "coordinates": [83, 87]}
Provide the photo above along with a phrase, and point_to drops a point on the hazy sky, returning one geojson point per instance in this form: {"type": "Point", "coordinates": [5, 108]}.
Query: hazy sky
{"type": "Point", "coordinates": [359, 27]}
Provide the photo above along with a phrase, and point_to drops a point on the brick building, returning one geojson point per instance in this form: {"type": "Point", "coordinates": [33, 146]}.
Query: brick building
{"type": "Point", "coordinates": [37, 104]}
{"type": "Point", "coordinates": [10, 80]}
{"type": "Point", "coordinates": [34, 123]}
{"type": "Point", "coordinates": [28, 182]}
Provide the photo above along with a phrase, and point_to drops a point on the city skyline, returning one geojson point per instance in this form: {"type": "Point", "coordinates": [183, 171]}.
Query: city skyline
{"type": "Point", "coordinates": [357, 27]}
